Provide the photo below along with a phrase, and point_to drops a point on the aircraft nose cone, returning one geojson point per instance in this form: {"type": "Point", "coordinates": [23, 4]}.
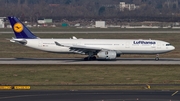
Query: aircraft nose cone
{"type": "Point", "coordinates": [172, 48]}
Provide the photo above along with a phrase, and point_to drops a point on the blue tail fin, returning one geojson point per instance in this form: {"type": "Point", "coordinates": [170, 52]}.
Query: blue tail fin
{"type": "Point", "coordinates": [20, 30]}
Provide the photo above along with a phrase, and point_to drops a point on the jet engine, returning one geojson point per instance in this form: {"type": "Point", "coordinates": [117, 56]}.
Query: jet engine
{"type": "Point", "coordinates": [107, 55]}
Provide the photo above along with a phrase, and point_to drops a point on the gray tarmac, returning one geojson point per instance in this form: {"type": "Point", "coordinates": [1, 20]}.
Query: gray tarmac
{"type": "Point", "coordinates": [118, 61]}
{"type": "Point", "coordinates": [110, 95]}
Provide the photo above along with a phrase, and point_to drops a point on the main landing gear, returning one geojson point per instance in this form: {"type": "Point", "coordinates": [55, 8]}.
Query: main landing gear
{"type": "Point", "coordinates": [89, 58]}
{"type": "Point", "coordinates": [157, 57]}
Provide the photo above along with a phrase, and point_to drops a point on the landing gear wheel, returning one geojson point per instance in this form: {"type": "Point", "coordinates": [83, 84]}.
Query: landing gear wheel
{"type": "Point", "coordinates": [93, 58]}
{"type": "Point", "coordinates": [86, 59]}
{"type": "Point", "coordinates": [90, 58]}
{"type": "Point", "coordinates": [157, 58]}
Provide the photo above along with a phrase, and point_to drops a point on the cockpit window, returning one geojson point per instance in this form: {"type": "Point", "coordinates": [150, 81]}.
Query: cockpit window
{"type": "Point", "coordinates": [168, 45]}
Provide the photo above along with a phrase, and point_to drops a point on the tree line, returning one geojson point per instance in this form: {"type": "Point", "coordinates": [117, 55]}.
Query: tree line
{"type": "Point", "coordinates": [162, 10]}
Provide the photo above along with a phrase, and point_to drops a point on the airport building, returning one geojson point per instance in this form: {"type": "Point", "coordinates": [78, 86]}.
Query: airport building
{"type": "Point", "coordinates": [45, 21]}
{"type": "Point", "coordinates": [130, 7]}
{"type": "Point", "coordinates": [100, 24]}
{"type": "Point", "coordinates": [2, 25]}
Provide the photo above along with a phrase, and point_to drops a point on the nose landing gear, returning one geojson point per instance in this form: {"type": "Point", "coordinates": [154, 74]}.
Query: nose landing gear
{"type": "Point", "coordinates": [157, 57]}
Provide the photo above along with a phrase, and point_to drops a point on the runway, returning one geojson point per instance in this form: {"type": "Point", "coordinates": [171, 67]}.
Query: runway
{"type": "Point", "coordinates": [119, 61]}
{"type": "Point", "coordinates": [89, 95]}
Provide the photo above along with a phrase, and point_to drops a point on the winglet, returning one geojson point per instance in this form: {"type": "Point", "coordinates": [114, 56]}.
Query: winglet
{"type": "Point", "coordinates": [74, 37]}
{"type": "Point", "coordinates": [20, 30]}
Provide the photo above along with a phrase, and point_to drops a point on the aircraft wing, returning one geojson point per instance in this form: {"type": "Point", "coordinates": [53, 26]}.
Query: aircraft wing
{"type": "Point", "coordinates": [79, 48]}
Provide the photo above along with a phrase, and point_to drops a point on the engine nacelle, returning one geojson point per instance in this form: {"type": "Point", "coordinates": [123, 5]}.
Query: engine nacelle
{"type": "Point", "coordinates": [107, 55]}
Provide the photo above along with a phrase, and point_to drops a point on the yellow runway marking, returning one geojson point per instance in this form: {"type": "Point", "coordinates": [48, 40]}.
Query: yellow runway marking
{"type": "Point", "coordinates": [148, 86]}
{"type": "Point", "coordinates": [22, 87]}
{"type": "Point", "coordinates": [5, 87]}
{"type": "Point", "coordinates": [174, 93]}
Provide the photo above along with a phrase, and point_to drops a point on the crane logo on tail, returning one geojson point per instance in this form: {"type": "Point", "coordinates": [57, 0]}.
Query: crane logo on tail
{"type": "Point", "coordinates": [18, 27]}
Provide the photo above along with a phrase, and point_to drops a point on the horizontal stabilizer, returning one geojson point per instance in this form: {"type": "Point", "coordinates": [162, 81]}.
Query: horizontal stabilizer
{"type": "Point", "coordinates": [21, 41]}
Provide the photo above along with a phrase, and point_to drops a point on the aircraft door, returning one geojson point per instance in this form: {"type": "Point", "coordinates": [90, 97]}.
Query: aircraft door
{"type": "Point", "coordinates": [153, 46]}
{"type": "Point", "coordinates": [158, 45]}
{"type": "Point", "coordinates": [127, 45]}
{"type": "Point", "coordinates": [40, 43]}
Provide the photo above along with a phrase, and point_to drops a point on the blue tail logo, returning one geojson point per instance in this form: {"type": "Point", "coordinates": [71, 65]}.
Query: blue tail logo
{"type": "Point", "coordinates": [20, 30]}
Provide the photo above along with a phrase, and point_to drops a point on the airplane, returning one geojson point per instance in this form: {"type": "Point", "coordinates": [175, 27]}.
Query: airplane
{"type": "Point", "coordinates": [106, 49]}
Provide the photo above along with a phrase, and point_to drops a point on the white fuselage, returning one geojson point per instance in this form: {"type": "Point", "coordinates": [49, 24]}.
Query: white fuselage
{"type": "Point", "coordinates": [121, 46]}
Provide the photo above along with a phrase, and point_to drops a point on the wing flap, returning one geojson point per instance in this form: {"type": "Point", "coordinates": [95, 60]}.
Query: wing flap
{"type": "Point", "coordinates": [73, 46]}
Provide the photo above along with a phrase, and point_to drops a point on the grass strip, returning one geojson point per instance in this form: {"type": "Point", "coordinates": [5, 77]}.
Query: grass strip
{"type": "Point", "coordinates": [38, 75]}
